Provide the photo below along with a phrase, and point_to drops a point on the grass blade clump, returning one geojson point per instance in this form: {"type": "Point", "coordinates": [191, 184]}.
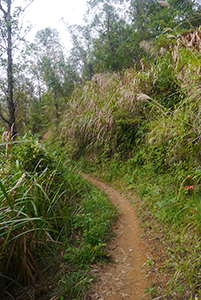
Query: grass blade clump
{"type": "Point", "coordinates": [43, 209]}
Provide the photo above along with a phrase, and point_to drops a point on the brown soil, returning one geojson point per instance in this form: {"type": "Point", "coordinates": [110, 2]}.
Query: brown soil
{"type": "Point", "coordinates": [128, 277]}
{"type": "Point", "coordinates": [46, 135]}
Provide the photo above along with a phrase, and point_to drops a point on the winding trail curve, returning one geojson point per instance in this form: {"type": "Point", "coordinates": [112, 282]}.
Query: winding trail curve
{"type": "Point", "coordinates": [126, 278]}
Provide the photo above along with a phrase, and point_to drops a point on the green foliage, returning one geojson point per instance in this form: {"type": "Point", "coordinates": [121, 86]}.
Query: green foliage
{"type": "Point", "coordinates": [95, 220]}
{"type": "Point", "coordinates": [85, 255]}
{"type": "Point", "coordinates": [32, 155]}
{"type": "Point", "coordinates": [40, 116]}
{"type": "Point", "coordinates": [113, 51]}
{"type": "Point", "coordinates": [46, 209]}
{"type": "Point", "coordinates": [73, 284]}
{"type": "Point", "coordinates": [110, 39]}
{"type": "Point", "coordinates": [166, 87]}
{"type": "Point", "coordinates": [51, 67]}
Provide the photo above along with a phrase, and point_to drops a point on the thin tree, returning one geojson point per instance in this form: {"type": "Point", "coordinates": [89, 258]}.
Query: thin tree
{"type": "Point", "coordinates": [8, 22]}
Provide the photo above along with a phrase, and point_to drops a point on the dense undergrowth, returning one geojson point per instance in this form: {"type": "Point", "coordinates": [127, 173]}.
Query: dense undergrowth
{"type": "Point", "coordinates": [142, 129]}
{"type": "Point", "coordinates": [54, 225]}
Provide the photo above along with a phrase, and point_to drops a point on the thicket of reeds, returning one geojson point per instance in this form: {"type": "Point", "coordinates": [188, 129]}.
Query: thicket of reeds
{"type": "Point", "coordinates": [162, 102]}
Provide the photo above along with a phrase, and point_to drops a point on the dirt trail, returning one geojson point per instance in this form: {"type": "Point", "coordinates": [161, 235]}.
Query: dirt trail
{"type": "Point", "coordinates": [126, 278]}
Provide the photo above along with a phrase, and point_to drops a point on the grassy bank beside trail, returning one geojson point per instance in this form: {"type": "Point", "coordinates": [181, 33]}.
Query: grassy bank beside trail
{"type": "Point", "coordinates": [170, 212]}
{"type": "Point", "coordinates": [54, 225]}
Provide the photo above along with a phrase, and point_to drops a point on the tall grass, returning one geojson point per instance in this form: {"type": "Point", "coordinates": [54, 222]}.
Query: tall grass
{"type": "Point", "coordinates": [109, 111]}
{"type": "Point", "coordinates": [34, 210]}
{"type": "Point", "coordinates": [45, 210]}
{"type": "Point", "coordinates": [114, 112]}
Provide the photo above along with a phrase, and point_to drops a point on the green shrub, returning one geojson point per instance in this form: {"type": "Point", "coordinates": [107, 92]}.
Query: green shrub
{"type": "Point", "coordinates": [166, 87]}
{"type": "Point", "coordinates": [32, 155]}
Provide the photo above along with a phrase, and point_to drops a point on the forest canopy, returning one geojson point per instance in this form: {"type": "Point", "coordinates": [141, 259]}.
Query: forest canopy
{"type": "Point", "coordinates": [38, 78]}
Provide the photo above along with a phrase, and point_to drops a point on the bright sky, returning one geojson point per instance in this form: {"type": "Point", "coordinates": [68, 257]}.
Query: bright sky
{"type": "Point", "coordinates": [48, 13]}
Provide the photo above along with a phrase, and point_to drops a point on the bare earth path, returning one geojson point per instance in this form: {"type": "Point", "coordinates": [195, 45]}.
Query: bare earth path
{"type": "Point", "coordinates": [126, 278]}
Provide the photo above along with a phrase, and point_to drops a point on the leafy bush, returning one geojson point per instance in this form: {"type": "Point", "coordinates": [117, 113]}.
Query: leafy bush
{"type": "Point", "coordinates": [166, 87]}
{"type": "Point", "coordinates": [32, 155]}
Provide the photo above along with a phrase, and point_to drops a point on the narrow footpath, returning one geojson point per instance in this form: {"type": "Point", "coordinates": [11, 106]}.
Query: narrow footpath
{"type": "Point", "coordinates": [127, 278]}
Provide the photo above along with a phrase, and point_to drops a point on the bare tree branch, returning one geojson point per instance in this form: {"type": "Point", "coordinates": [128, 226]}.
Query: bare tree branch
{"type": "Point", "coordinates": [2, 9]}
{"type": "Point", "coordinates": [28, 4]}
{"type": "Point", "coordinates": [6, 121]}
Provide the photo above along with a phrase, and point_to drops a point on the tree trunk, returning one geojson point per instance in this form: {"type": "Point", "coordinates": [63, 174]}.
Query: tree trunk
{"type": "Point", "coordinates": [9, 95]}
{"type": "Point", "coordinates": [57, 112]}
{"type": "Point", "coordinates": [109, 37]}
{"type": "Point", "coordinates": [10, 102]}
{"type": "Point", "coordinates": [110, 40]}
{"type": "Point", "coordinates": [56, 106]}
